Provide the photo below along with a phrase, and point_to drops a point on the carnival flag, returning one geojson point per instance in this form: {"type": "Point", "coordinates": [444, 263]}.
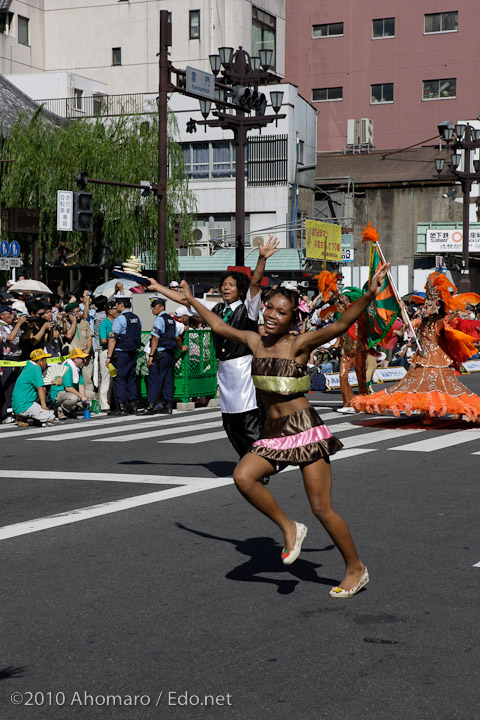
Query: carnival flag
{"type": "Point", "coordinates": [383, 310]}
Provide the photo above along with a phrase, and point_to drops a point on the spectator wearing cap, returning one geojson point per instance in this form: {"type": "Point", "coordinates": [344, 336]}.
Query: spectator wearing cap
{"type": "Point", "coordinates": [29, 388]}
{"type": "Point", "coordinates": [161, 358]}
{"type": "Point", "coordinates": [79, 334]}
{"type": "Point", "coordinates": [10, 351]}
{"type": "Point", "coordinates": [124, 341]}
{"type": "Point", "coordinates": [106, 381]}
{"type": "Point", "coordinates": [174, 286]}
{"type": "Point", "coordinates": [182, 317]}
{"type": "Point", "coordinates": [70, 396]}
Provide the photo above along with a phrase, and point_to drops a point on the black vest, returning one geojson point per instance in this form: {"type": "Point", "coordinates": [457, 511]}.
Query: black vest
{"type": "Point", "coordinates": [228, 349]}
{"type": "Point", "coordinates": [131, 339]}
{"type": "Point", "coordinates": [167, 338]}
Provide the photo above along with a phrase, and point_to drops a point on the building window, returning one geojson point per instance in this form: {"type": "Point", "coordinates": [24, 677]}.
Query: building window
{"type": "Point", "coordinates": [382, 93]}
{"type": "Point", "coordinates": [383, 28]}
{"type": "Point", "coordinates": [329, 30]}
{"type": "Point", "coordinates": [6, 19]}
{"type": "Point", "coordinates": [209, 161]}
{"type": "Point", "coordinates": [441, 22]}
{"type": "Point", "coordinates": [439, 89]}
{"type": "Point", "coordinates": [99, 103]}
{"type": "Point", "coordinates": [116, 56]}
{"type": "Point", "coordinates": [77, 94]}
{"type": "Point", "coordinates": [22, 30]}
{"type": "Point", "coordinates": [194, 25]}
{"type": "Point", "coordinates": [264, 33]}
{"type": "Point", "coordinates": [324, 94]}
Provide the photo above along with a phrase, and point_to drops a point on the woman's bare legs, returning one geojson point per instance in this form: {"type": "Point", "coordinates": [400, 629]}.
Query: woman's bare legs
{"type": "Point", "coordinates": [250, 468]}
{"type": "Point", "coordinates": [317, 478]}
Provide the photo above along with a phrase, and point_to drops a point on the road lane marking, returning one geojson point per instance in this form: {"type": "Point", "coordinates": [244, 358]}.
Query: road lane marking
{"type": "Point", "coordinates": [91, 432]}
{"type": "Point", "coordinates": [441, 441]}
{"type": "Point", "coordinates": [94, 422]}
{"type": "Point", "coordinates": [101, 477]}
{"type": "Point", "coordinates": [178, 430]}
{"type": "Point", "coordinates": [342, 454]}
{"type": "Point", "coordinates": [376, 436]}
{"type": "Point", "coordinates": [87, 513]}
{"type": "Point", "coordinates": [477, 564]}
{"type": "Point", "coordinates": [195, 439]}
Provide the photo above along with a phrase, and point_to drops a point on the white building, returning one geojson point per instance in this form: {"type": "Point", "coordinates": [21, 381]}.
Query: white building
{"type": "Point", "coordinates": [78, 53]}
{"type": "Point", "coordinates": [116, 41]}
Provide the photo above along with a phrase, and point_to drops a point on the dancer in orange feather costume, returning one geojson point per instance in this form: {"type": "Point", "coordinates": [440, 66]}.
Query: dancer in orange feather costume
{"type": "Point", "coordinates": [430, 387]}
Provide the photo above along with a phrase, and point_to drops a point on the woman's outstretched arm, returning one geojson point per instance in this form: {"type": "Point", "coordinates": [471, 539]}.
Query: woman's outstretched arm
{"type": "Point", "coordinates": [219, 326]}
{"type": "Point", "coordinates": [308, 341]}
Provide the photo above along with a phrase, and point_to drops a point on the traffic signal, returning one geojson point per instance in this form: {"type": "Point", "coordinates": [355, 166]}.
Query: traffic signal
{"type": "Point", "coordinates": [249, 99]}
{"type": "Point", "coordinates": [82, 211]}
{"type": "Point", "coordinates": [241, 97]}
{"type": "Point", "coordinates": [178, 234]}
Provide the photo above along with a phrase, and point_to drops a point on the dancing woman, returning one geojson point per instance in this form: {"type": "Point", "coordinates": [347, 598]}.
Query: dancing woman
{"type": "Point", "coordinates": [293, 434]}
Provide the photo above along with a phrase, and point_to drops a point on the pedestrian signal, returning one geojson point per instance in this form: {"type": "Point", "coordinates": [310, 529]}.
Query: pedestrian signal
{"type": "Point", "coordinates": [82, 211]}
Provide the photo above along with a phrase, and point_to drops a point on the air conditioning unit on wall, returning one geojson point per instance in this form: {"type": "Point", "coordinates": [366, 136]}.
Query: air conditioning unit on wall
{"type": "Point", "coordinates": [366, 131]}
{"type": "Point", "coordinates": [201, 251]}
{"type": "Point", "coordinates": [201, 235]}
{"type": "Point", "coordinates": [353, 132]}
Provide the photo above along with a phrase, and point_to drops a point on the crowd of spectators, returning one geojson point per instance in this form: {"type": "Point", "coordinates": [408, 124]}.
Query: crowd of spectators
{"type": "Point", "coordinates": [75, 327]}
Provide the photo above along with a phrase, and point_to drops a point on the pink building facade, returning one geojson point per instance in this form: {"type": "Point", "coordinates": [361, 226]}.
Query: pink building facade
{"type": "Point", "coordinates": [404, 65]}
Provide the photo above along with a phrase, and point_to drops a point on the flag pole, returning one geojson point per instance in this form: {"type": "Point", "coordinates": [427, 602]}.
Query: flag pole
{"type": "Point", "coordinates": [399, 299]}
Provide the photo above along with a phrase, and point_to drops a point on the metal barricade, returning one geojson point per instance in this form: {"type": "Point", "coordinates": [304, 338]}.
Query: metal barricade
{"type": "Point", "coordinates": [195, 371]}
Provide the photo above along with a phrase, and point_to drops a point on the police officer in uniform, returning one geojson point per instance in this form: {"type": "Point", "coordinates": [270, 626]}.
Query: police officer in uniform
{"type": "Point", "coordinates": [124, 340]}
{"type": "Point", "coordinates": [161, 358]}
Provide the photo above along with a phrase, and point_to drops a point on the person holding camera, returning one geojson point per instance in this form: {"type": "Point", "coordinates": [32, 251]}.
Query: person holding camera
{"type": "Point", "coordinates": [38, 326]}
{"type": "Point", "coordinates": [70, 396]}
{"type": "Point", "coordinates": [79, 335]}
{"type": "Point", "coordinates": [11, 332]}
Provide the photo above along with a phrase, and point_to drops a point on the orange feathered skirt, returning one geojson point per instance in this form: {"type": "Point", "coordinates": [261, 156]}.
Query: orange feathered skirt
{"type": "Point", "coordinates": [425, 389]}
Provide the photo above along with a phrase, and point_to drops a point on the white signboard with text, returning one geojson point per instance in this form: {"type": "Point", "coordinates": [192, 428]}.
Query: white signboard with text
{"type": "Point", "coordinates": [441, 241]}
{"type": "Point", "coordinates": [64, 210]}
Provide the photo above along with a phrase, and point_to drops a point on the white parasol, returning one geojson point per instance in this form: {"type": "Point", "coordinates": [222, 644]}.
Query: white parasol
{"type": "Point", "coordinates": [32, 286]}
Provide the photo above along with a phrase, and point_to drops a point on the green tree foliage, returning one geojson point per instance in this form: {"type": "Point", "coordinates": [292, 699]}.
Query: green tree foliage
{"type": "Point", "coordinates": [47, 158]}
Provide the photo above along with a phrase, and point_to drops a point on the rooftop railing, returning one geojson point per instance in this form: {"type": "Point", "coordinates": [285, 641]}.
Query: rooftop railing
{"type": "Point", "coordinates": [101, 105]}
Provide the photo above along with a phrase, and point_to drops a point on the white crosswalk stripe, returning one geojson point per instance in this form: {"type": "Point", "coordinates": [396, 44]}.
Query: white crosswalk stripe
{"type": "Point", "coordinates": [121, 429]}
{"type": "Point", "coordinates": [167, 431]}
{"type": "Point", "coordinates": [193, 429]}
{"type": "Point", "coordinates": [442, 441]}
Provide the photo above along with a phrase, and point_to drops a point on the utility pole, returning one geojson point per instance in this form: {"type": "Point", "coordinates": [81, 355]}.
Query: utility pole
{"type": "Point", "coordinates": [164, 84]}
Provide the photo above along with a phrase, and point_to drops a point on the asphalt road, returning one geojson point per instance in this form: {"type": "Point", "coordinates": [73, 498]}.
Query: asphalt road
{"type": "Point", "coordinates": [138, 584]}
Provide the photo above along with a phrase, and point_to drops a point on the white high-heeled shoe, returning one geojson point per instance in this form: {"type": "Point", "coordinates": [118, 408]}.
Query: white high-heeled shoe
{"type": "Point", "coordinates": [339, 592]}
{"type": "Point", "coordinates": [289, 556]}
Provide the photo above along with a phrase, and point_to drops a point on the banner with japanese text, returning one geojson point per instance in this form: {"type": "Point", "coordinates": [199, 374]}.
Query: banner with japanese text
{"type": "Point", "coordinates": [324, 241]}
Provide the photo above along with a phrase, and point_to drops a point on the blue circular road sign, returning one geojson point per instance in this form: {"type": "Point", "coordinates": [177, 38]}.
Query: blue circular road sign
{"type": "Point", "coordinates": [14, 249]}
{"type": "Point", "coordinates": [4, 248]}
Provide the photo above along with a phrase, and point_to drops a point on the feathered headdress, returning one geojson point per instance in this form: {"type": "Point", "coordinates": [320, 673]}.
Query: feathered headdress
{"type": "Point", "coordinates": [439, 287]}
{"type": "Point", "coordinates": [327, 283]}
{"type": "Point", "coordinates": [370, 233]}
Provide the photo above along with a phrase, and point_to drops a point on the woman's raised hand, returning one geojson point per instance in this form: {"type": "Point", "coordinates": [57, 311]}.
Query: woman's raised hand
{"type": "Point", "coordinates": [186, 289]}
{"type": "Point", "coordinates": [269, 249]}
{"type": "Point", "coordinates": [377, 280]}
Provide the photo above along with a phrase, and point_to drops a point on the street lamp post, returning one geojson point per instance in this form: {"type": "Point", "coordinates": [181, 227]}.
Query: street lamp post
{"type": "Point", "coordinates": [237, 79]}
{"type": "Point", "coordinates": [466, 140]}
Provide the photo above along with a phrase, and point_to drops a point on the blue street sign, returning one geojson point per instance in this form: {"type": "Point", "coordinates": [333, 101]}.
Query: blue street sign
{"type": "Point", "coordinates": [4, 248]}
{"type": "Point", "coordinates": [14, 249]}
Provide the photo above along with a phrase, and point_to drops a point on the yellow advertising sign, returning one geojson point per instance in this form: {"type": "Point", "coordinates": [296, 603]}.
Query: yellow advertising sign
{"type": "Point", "coordinates": [324, 241]}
